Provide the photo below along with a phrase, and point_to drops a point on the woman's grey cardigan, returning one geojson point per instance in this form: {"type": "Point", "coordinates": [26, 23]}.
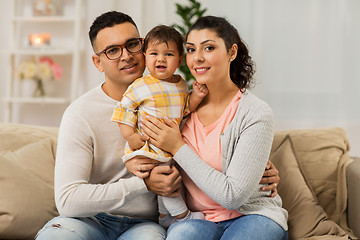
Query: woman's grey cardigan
{"type": "Point", "coordinates": [245, 147]}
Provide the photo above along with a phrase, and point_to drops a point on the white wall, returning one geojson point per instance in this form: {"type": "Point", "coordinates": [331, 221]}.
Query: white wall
{"type": "Point", "coordinates": [307, 53]}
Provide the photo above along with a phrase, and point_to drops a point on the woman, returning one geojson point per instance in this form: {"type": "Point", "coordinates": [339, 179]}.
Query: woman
{"type": "Point", "coordinates": [225, 143]}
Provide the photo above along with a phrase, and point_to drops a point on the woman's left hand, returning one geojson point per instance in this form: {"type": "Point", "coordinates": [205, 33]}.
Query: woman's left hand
{"type": "Point", "coordinates": [166, 135]}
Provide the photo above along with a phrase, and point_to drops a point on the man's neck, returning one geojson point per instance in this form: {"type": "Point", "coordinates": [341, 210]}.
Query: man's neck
{"type": "Point", "coordinates": [115, 91]}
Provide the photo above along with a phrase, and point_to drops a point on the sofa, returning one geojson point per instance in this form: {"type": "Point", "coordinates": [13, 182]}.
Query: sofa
{"type": "Point", "coordinates": [319, 181]}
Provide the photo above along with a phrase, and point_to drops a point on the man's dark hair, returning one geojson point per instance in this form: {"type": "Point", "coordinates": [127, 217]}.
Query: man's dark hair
{"type": "Point", "coordinates": [108, 19]}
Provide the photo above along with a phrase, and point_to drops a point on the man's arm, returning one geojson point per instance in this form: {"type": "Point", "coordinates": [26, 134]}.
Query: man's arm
{"type": "Point", "coordinates": [78, 190]}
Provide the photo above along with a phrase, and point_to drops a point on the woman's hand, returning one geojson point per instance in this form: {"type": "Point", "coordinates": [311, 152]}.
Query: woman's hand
{"type": "Point", "coordinates": [166, 135]}
{"type": "Point", "coordinates": [270, 177]}
{"type": "Point", "coordinates": [141, 166]}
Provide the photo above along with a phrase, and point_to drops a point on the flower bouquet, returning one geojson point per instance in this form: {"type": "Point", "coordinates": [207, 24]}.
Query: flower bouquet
{"type": "Point", "coordinates": [41, 71]}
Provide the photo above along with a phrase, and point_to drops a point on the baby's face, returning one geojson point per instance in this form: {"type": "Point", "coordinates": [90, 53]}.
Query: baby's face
{"type": "Point", "coordinates": [162, 59]}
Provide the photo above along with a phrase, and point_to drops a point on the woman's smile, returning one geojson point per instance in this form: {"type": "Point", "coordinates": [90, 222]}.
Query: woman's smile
{"type": "Point", "coordinates": [201, 70]}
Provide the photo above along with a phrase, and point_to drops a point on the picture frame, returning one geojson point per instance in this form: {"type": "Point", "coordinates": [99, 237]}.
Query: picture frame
{"type": "Point", "coordinates": [44, 8]}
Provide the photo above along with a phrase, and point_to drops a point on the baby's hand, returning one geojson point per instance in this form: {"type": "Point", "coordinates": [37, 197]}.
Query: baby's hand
{"type": "Point", "coordinates": [136, 141]}
{"type": "Point", "coordinates": [200, 90]}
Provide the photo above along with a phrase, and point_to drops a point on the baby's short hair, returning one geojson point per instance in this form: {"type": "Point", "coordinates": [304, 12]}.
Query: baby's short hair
{"type": "Point", "coordinates": [165, 34]}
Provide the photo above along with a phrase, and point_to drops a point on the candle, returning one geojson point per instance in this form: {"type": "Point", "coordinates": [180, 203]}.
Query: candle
{"type": "Point", "coordinates": [38, 40]}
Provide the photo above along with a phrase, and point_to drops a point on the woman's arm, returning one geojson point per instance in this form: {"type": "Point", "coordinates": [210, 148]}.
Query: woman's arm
{"type": "Point", "coordinates": [232, 188]}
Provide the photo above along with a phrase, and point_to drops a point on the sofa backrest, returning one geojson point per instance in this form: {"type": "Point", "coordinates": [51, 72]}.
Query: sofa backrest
{"type": "Point", "coordinates": [322, 156]}
{"type": "Point", "coordinates": [27, 159]}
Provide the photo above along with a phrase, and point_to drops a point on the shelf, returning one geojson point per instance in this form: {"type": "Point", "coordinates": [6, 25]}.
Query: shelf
{"type": "Point", "coordinates": [65, 50]}
{"type": "Point", "coordinates": [40, 51]}
{"type": "Point", "coordinates": [44, 100]}
{"type": "Point", "coordinates": [47, 19]}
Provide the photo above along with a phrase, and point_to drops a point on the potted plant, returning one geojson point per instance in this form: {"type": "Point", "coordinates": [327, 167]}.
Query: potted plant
{"type": "Point", "coordinates": [188, 13]}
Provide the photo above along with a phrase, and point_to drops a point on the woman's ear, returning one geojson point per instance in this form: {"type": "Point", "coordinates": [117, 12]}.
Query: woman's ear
{"type": "Point", "coordinates": [97, 62]}
{"type": "Point", "coordinates": [233, 51]}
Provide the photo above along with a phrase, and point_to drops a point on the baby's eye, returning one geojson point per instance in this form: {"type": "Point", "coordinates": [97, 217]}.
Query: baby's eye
{"type": "Point", "coordinates": [169, 54]}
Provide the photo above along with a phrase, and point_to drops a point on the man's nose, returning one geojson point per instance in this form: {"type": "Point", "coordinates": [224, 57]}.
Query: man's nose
{"type": "Point", "coordinates": [125, 54]}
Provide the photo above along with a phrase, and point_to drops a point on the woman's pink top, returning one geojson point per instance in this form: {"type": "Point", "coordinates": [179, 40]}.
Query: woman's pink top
{"type": "Point", "coordinates": [205, 141]}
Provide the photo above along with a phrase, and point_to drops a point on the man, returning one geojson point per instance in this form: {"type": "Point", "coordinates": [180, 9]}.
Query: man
{"type": "Point", "coordinates": [96, 196]}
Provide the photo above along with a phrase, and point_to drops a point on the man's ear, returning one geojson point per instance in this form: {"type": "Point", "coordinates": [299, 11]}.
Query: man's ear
{"type": "Point", "coordinates": [97, 62]}
{"type": "Point", "coordinates": [233, 51]}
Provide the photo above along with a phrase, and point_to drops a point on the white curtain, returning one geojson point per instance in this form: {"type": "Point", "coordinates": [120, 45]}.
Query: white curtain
{"type": "Point", "coordinates": [308, 60]}
{"type": "Point", "coordinates": [307, 55]}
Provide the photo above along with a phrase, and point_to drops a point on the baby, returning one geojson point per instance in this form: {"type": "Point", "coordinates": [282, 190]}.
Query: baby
{"type": "Point", "coordinates": [161, 94]}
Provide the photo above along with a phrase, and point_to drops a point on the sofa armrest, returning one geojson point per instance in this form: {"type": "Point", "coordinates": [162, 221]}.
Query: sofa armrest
{"type": "Point", "coordinates": [353, 185]}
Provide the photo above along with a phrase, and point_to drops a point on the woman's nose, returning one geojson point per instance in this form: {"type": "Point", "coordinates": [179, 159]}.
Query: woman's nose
{"type": "Point", "coordinates": [199, 57]}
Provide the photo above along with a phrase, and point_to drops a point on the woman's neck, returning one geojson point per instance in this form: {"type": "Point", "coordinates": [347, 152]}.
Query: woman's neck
{"type": "Point", "coordinates": [221, 93]}
{"type": "Point", "coordinates": [215, 102]}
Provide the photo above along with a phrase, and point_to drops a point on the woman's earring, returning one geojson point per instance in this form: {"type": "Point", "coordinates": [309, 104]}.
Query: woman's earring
{"type": "Point", "coordinates": [231, 59]}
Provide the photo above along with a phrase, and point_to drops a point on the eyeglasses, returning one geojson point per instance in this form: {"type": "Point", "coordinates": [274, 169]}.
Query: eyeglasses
{"type": "Point", "coordinates": [114, 52]}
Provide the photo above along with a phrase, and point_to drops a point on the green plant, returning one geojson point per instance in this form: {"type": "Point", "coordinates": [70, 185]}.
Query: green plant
{"type": "Point", "coordinates": [189, 13]}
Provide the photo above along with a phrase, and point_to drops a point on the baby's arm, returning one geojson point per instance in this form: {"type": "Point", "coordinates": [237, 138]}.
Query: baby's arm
{"type": "Point", "coordinates": [199, 92]}
{"type": "Point", "coordinates": [134, 139]}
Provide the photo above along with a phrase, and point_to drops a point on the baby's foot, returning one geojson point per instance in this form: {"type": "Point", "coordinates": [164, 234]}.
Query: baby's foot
{"type": "Point", "coordinates": [192, 215]}
{"type": "Point", "coordinates": [166, 221]}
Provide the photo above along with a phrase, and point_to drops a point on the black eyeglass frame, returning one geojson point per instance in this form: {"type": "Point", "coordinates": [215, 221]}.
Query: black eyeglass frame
{"type": "Point", "coordinates": [141, 40]}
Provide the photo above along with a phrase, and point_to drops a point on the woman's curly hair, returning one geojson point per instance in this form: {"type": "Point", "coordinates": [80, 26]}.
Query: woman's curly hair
{"type": "Point", "coordinates": [242, 68]}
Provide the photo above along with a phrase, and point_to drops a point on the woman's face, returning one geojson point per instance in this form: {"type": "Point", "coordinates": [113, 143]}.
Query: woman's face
{"type": "Point", "coordinates": [207, 57]}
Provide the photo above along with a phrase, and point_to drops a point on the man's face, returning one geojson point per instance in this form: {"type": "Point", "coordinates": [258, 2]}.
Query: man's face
{"type": "Point", "coordinates": [129, 66]}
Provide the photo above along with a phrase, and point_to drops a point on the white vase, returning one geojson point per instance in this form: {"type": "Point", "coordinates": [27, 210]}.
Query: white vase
{"type": "Point", "coordinates": [50, 88]}
{"type": "Point", "coordinates": [28, 87]}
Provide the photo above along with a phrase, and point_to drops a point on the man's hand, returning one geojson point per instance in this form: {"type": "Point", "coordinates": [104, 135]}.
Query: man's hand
{"type": "Point", "coordinates": [141, 166]}
{"type": "Point", "coordinates": [270, 177]}
{"type": "Point", "coordinates": [164, 181]}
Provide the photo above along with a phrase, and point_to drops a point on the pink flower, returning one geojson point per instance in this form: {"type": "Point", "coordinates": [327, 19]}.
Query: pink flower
{"type": "Point", "coordinates": [45, 69]}
{"type": "Point", "coordinates": [56, 70]}
{"type": "Point", "coordinates": [47, 60]}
